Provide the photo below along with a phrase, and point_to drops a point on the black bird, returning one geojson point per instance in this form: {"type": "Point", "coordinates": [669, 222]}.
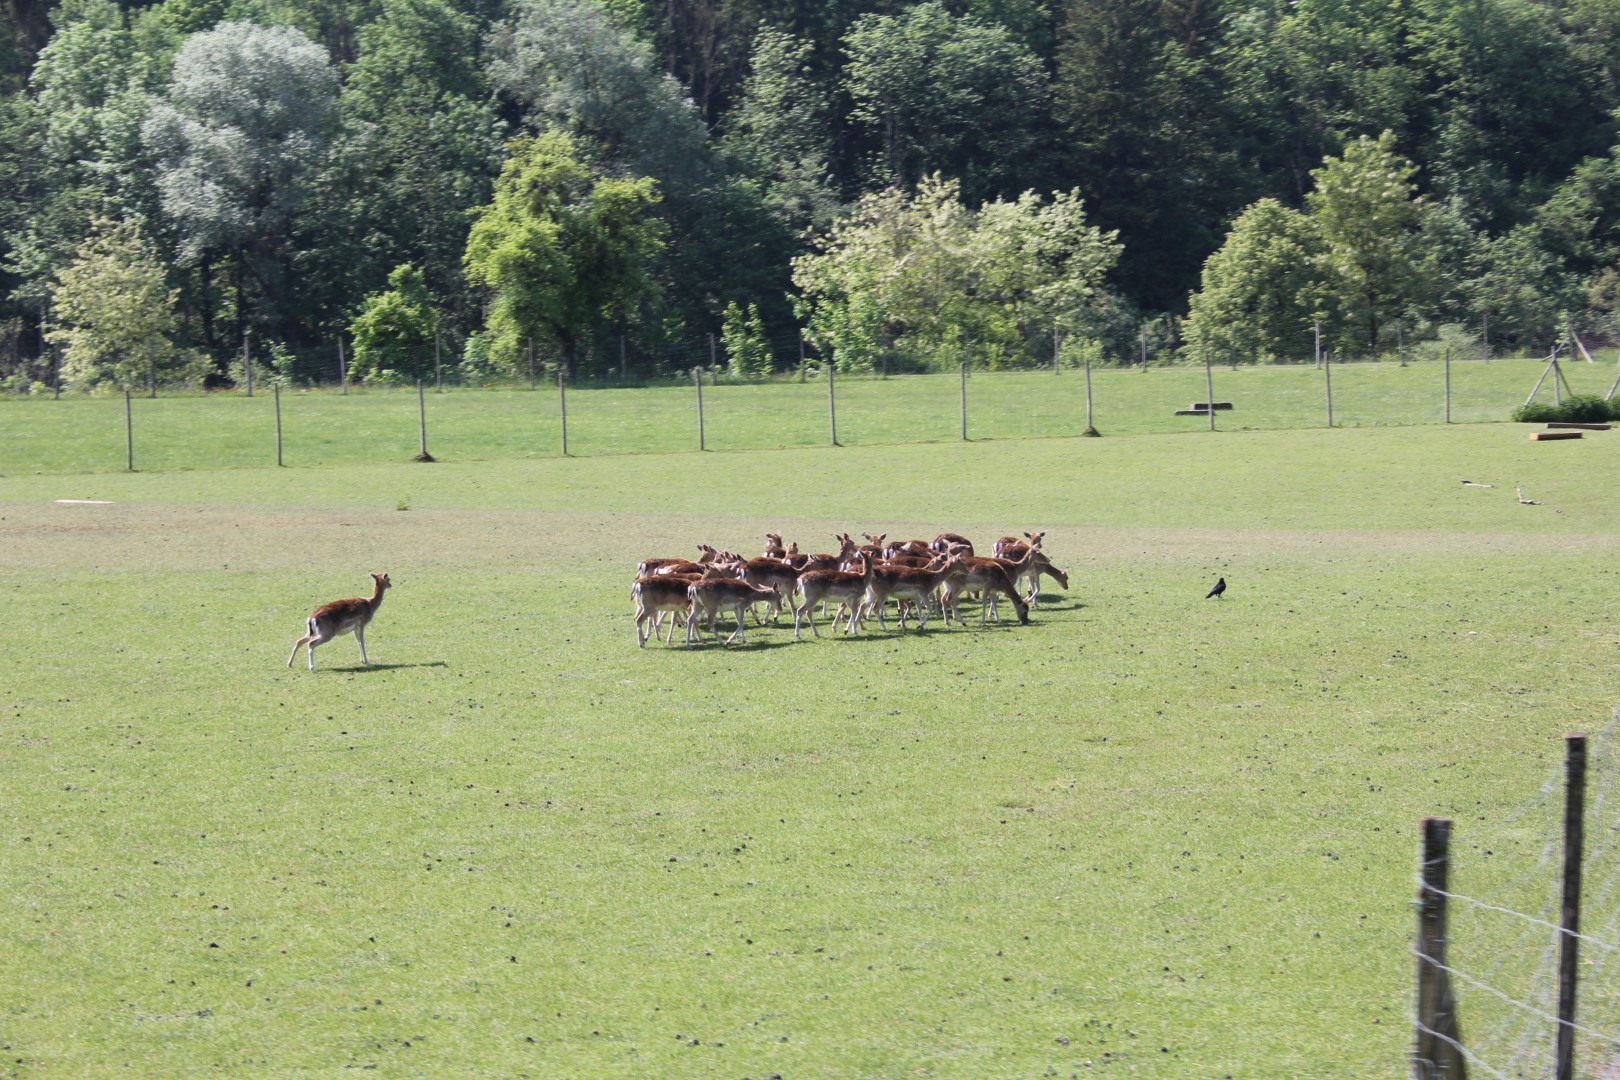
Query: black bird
{"type": "Point", "coordinates": [1220, 587]}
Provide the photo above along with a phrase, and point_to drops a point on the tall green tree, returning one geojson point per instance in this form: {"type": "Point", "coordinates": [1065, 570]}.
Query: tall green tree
{"type": "Point", "coordinates": [395, 329]}
{"type": "Point", "coordinates": [569, 67]}
{"type": "Point", "coordinates": [1147, 130]}
{"type": "Point", "coordinates": [114, 311]}
{"type": "Point", "coordinates": [926, 280]}
{"type": "Point", "coordinates": [418, 144]}
{"type": "Point", "coordinates": [1508, 106]}
{"type": "Point", "coordinates": [78, 137]}
{"type": "Point", "coordinates": [237, 138]}
{"type": "Point", "coordinates": [560, 250]}
{"type": "Point", "coordinates": [1366, 208]}
{"type": "Point", "coordinates": [939, 93]}
{"type": "Point", "coordinates": [781, 131]}
{"type": "Point", "coordinates": [1263, 289]}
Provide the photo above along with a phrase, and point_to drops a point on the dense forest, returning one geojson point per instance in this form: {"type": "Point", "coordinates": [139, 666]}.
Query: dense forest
{"type": "Point", "coordinates": [589, 184]}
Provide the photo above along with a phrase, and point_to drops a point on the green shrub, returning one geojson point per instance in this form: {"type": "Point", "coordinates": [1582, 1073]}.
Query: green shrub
{"type": "Point", "coordinates": [1576, 409]}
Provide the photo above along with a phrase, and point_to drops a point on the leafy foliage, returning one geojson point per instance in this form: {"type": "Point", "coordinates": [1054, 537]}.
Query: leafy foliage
{"type": "Point", "coordinates": [1262, 291]}
{"type": "Point", "coordinates": [395, 329]}
{"type": "Point", "coordinates": [928, 281]}
{"type": "Point", "coordinates": [236, 140]}
{"type": "Point", "coordinates": [1575, 409]}
{"type": "Point", "coordinates": [1456, 162]}
{"type": "Point", "coordinates": [942, 94]}
{"type": "Point", "coordinates": [115, 314]}
{"type": "Point", "coordinates": [560, 249]}
{"type": "Point", "coordinates": [748, 354]}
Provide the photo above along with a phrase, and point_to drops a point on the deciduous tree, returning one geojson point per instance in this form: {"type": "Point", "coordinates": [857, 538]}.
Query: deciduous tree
{"type": "Point", "coordinates": [560, 249]}
{"type": "Point", "coordinates": [114, 311]}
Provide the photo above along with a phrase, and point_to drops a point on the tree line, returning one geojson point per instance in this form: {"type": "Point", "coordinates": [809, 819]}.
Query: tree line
{"type": "Point", "coordinates": [912, 185]}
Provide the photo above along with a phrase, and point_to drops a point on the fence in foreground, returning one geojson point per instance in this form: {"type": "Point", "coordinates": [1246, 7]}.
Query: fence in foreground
{"type": "Point", "coordinates": [1518, 948]}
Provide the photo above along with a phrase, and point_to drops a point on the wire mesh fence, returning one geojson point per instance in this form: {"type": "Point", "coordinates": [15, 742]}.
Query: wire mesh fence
{"type": "Point", "coordinates": [1505, 913]}
{"type": "Point", "coordinates": [711, 410]}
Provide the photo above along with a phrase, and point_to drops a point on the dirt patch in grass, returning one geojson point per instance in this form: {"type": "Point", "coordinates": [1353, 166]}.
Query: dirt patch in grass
{"type": "Point", "coordinates": [132, 536]}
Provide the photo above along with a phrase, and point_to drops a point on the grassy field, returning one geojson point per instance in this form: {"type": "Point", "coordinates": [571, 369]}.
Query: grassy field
{"type": "Point", "coordinates": [1146, 835]}
{"type": "Point", "coordinates": [87, 434]}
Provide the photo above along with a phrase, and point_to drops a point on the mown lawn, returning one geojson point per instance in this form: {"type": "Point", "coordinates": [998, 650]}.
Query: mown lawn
{"type": "Point", "coordinates": [1147, 835]}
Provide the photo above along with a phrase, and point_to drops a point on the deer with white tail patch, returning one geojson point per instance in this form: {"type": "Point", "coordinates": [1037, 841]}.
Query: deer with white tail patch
{"type": "Point", "coordinates": [342, 617]}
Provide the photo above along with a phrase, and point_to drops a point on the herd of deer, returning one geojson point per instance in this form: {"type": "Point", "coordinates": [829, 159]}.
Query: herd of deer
{"type": "Point", "coordinates": [920, 576]}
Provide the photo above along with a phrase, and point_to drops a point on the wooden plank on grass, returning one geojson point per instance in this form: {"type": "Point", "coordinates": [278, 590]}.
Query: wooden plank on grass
{"type": "Point", "coordinates": [1560, 425]}
{"type": "Point", "coordinates": [1553, 436]}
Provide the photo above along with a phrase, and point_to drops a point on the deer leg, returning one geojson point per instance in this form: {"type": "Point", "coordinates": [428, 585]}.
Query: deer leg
{"type": "Point", "coordinates": [742, 623]}
{"type": "Point", "coordinates": [360, 637]}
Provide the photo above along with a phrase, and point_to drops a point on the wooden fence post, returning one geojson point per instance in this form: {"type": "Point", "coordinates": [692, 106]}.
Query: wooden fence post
{"type": "Point", "coordinates": [562, 408]}
{"type": "Point", "coordinates": [1448, 383]}
{"type": "Point", "coordinates": [1209, 389]}
{"type": "Point", "coordinates": [421, 425]}
{"type": "Point", "coordinates": [129, 433]}
{"type": "Point", "coordinates": [1437, 1048]}
{"type": "Point", "coordinates": [343, 368]}
{"type": "Point", "coordinates": [276, 390]}
{"type": "Point", "coordinates": [1091, 430]}
{"type": "Point", "coordinates": [1569, 923]}
{"type": "Point", "coordinates": [438, 370]}
{"type": "Point", "coordinates": [247, 362]}
{"type": "Point", "coordinates": [1327, 382]}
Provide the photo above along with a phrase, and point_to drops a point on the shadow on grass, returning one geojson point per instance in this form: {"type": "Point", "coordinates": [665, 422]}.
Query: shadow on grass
{"type": "Point", "coordinates": [360, 669]}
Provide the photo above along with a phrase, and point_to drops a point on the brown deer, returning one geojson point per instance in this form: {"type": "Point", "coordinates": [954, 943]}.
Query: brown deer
{"type": "Point", "coordinates": [990, 578]}
{"type": "Point", "coordinates": [709, 596]}
{"type": "Point", "coordinates": [847, 587]}
{"type": "Point", "coordinates": [342, 617]}
{"type": "Point", "coordinates": [769, 573]}
{"type": "Point", "coordinates": [1010, 547]}
{"type": "Point", "coordinates": [944, 542]}
{"type": "Point", "coordinates": [901, 583]}
{"type": "Point", "coordinates": [659, 594]}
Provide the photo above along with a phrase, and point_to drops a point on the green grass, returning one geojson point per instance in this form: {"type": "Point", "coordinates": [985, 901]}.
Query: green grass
{"type": "Point", "coordinates": [1155, 834]}
{"type": "Point", "coordinates": [87, 434]}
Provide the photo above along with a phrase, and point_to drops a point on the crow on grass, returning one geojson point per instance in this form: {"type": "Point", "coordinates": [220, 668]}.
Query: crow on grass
{"type": "Point", "coordinates": [1220, 587]}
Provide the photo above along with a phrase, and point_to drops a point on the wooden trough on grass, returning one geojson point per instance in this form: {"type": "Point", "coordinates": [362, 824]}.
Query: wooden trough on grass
{"type": "Point", "coordinates": [1560, 425]}
{"type": "Point", "coordinates": [1553, 436]}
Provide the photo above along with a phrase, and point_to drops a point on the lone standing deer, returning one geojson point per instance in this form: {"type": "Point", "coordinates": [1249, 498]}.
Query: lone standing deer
{"type": "Point", "coordinates": [341, 617]}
